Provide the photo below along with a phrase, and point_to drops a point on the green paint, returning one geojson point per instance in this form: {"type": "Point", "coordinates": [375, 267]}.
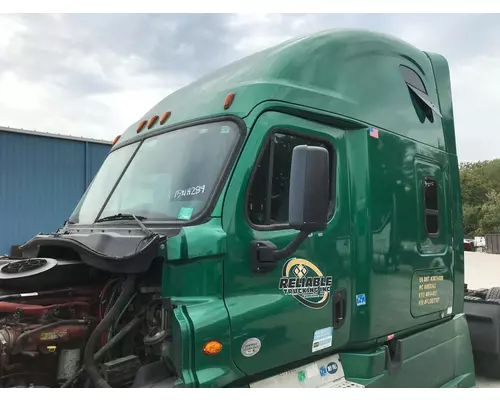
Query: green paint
{"type": "Point", "coordinates": [333, 86]}
{"type": "Point", "coordinates": [431, 292]}
{"type": "Point", "coordinates": [421, 368]}
{"type": "Point", "coordinates": [185, 213]}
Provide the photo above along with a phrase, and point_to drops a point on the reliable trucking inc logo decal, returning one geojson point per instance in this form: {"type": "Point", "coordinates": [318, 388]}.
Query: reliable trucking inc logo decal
{"type": "Point", "coordinates": [305, 282]}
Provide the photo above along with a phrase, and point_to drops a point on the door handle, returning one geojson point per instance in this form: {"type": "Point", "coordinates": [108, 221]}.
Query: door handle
{"type": "Point", "coordinates": [339, 307]}
{"type": "Point", "coordinates": [262, 256]}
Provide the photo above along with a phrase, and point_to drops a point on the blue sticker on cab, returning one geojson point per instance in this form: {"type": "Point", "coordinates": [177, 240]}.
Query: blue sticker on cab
{"type": "Point", "coordinates": [360, 299]}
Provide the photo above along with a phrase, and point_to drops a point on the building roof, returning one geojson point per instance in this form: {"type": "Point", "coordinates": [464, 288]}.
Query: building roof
{"type": "Point", "coordinates": [53, 135]}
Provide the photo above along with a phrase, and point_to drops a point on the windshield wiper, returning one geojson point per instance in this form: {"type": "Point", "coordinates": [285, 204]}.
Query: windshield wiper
{"type": "Point", "coordinates": [122, 217]}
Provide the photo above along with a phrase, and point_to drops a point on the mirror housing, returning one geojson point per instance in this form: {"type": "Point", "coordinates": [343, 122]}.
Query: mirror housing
{"type": "Point", "coordinates": [308, 205]}
{"type": "Point", "coordinates": [309, 189]}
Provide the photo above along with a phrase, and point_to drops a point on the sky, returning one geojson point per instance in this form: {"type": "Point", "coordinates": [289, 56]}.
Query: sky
{"type": "Point", "coordinates": [93, 75]}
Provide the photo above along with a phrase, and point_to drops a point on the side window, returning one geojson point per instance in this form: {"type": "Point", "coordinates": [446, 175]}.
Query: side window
{"type": "Point", "coordinates": [267, 202]}
{"type": "Point", "coordinates": [419, 94]}
{"type": "Point", "coordinates": [411, 78]}
{"type": "Point", "coordinates": [431, 205]}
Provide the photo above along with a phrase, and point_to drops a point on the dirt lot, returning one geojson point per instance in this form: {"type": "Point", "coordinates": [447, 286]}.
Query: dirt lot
{"type": "Point", "coordinates": [482, 270]}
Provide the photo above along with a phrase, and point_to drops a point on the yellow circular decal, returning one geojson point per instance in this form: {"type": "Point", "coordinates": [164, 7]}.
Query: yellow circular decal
{"type": "Point", "coordinates": [305, 282]}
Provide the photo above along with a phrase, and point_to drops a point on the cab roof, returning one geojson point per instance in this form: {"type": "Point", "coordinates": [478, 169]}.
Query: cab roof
{"type": "Point", "coordinates": [351, 73]}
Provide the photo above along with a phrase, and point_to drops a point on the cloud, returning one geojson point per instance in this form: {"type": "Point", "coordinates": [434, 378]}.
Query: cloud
{"type": "Point", "coordinates": [475, 86]}
{"type": "Point", "coordinates": [9, 28]}
{"type": "Point", "coordinates": [95, 74]}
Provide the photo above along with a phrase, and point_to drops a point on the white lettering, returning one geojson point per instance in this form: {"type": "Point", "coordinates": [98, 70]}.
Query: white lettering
{"type": "Point", "coordinates": [191, 191]}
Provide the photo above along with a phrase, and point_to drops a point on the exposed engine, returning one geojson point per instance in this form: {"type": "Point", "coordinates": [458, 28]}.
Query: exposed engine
{"type": "Point", "coordinates": [65, 324]}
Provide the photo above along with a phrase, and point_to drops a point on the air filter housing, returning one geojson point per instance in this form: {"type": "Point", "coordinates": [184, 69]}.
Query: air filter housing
{"type": "Point", "coordinates": [41, 273]}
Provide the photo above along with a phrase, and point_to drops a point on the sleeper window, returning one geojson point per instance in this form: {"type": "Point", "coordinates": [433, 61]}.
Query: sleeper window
{"type": "Point", "coordinates": [419, 94]}
{"type": "Point", "coordinates": [411, 78]}
{"type": "Point", "coordinates": [431, 206]}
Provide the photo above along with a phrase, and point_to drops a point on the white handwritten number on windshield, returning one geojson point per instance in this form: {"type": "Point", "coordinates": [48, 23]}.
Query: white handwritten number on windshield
{"type": "Point", "coordinates": [192, 191]}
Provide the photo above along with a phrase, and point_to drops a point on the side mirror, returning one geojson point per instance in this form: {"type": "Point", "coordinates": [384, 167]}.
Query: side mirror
{"type": "Point", "coordinates": [309, 189]}
{"type": "Point", "coordinates": [308, 205]}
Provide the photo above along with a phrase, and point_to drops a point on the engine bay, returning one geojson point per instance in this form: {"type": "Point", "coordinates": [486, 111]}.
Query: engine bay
{"type": "Point", "coordinates": [64, 323]}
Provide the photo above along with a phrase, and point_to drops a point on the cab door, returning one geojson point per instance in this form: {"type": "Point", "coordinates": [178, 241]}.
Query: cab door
{"type": "Point", "coordinates": [300, 308]}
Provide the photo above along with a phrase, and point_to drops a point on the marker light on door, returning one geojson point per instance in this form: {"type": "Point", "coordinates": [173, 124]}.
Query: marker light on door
{"type": "Point", "coordinates": [229, 100]}
{"type": "Point", "coordinates": [390, 337]}
{"type": "Point", "coordinates": [152, 121]}
{"type": "Point", "coordinates": [213, 347]}
{"type": "Point", "coordinates": [165, 117]}
{"type": "Point", "coordinates": [141, 126]}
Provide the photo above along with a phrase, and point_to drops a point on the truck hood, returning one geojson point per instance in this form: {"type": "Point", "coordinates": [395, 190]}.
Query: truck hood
{"type": "Point", "coordinates": [130, 251]}
{"type": "Point", "coordinates": [109, 251]}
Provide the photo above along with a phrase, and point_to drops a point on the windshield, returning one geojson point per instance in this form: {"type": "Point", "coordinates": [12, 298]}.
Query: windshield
{"type": "Point", "coordinates": [169, 178]}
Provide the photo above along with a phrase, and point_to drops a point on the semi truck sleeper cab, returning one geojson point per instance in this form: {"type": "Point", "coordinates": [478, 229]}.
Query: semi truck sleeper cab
{"type": "Point", "coordinates": [291, 220]}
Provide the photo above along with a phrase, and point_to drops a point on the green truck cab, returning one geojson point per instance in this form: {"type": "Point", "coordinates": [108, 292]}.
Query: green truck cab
{"type": "Point", "coordinates": [291, 220]}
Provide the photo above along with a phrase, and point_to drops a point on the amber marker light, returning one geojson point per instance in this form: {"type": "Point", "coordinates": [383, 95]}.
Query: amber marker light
{"type": "Point", "coordinates": [229, 100]}
{"type": "Point", "coordinates": [165, 117]}
{"type": "Point", "coordinates": [152, 121]}
{"type": "Point", "coordinates": [116, 139]}
{"type": "Point", "coordinates": [213, 347]}
{"type": "Point", "coordinates": [141, 126]}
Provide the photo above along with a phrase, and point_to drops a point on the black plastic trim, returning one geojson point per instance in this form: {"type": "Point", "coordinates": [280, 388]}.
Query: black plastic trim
{"type": "Point", "coordinates": [483, 320]}
{"type": "Point", "coordinates": [339, 307]}
{"type": "Point", "coordinates": [394, 357]}
{"type": "Point", "coordinates": [403, 69]}
{"type": "Point", "coordinates": [425, 99]}
{"type": "Point", "coordinates": [134, 264]}
{"type": "Point", "coordinates": [288, 131]}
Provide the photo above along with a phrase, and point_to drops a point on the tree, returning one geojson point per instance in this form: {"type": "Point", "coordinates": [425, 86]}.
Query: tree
{"type": "Point", "coordinates": [471, 217]}
{"type": "Point", "coordinates": [490, 214]}
{"type": "Point", "coordinates": [480, 186]}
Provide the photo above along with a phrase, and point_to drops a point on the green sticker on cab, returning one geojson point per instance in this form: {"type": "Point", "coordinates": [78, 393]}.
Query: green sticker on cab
{"type": "Point", "coordinates": [185, 213]}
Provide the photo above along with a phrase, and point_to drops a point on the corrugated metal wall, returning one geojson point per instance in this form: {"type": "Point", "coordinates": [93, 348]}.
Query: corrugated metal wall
{"type": "Point", "coordinates": [41, 181]}
{"type": "Point", "coordinates": [493, 243]}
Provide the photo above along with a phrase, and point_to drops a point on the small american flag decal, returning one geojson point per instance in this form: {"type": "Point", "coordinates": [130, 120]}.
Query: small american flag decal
{"type": "Point", "coordinates": [374, 132]}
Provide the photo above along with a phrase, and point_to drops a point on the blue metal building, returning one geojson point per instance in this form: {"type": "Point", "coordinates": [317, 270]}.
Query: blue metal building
{"type": "Point", "coordinates": [42, 177]}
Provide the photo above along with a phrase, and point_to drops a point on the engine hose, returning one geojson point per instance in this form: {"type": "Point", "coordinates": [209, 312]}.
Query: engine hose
{"type": "Point", "coordinates": [17, 346]}
{"type": "Point", "coordinates": [88, 357]}
{"type": "Point", "coordinates": [102, 351]}
{"type": "Point", "coordinates": [18, 296]}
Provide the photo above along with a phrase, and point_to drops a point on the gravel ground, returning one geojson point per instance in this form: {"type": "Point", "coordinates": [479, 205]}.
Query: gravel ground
{"type": "Point", "coordinates": [487, 383]}
{"type": "Point", "coordinates": [482, 270]}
